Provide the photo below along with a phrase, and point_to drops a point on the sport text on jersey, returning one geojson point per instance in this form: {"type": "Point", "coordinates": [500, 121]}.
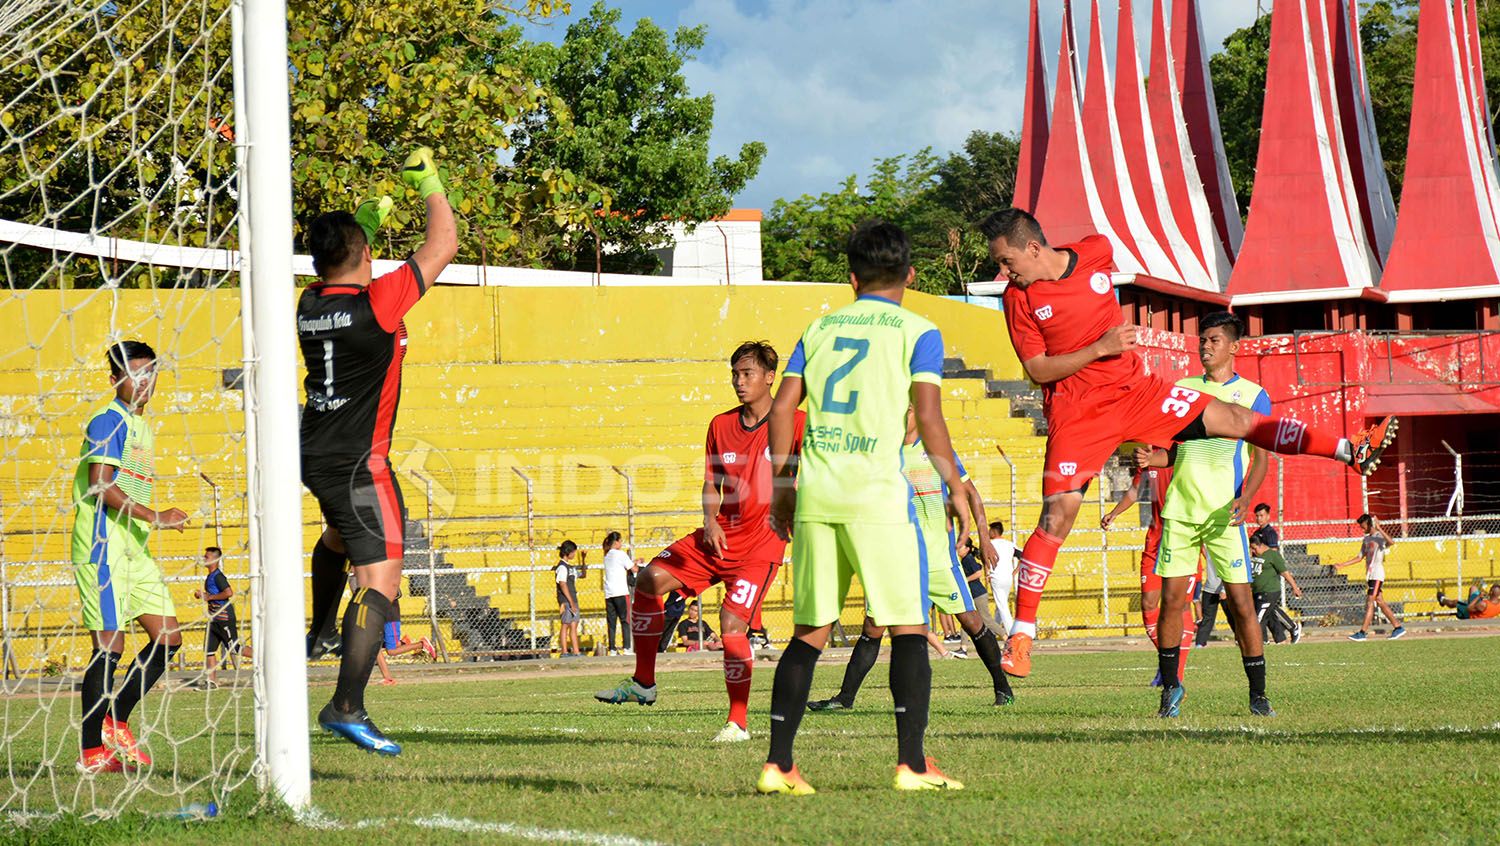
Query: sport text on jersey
{"type": "Point", "coordinates": [835, 439]}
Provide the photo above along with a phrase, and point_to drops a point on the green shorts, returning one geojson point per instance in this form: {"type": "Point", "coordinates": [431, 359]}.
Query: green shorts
{"type": "Point", "coordinates": [118, 582]}
{"type": "Point", "coordinates": [947, 589]}
{"type": "Point", "coordinates": [887, 557]}
{"type": "Point", "coordinates": [1224, 545]}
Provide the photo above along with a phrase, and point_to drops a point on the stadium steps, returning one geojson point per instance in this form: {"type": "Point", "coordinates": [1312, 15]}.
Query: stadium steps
{"type": "Point", "coordinates": [1326, 594]}
{"type": "Point", "coordinates": [1025, 400]}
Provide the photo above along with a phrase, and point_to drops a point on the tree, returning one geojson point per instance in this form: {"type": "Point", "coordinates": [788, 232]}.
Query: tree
{"type": "Point", "coordinates": [939, 203]}
{"type": "Point", "coordinates": [636, 129]}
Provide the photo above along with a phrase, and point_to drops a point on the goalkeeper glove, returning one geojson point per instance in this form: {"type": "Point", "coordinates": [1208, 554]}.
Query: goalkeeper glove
{"type": "Point", "coordinates": [371, 214]}
{"type": "Point", "coordinates": [421, 174]}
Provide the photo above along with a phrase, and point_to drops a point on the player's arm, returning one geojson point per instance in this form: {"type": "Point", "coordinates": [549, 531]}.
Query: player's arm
{"type": "Point", "coordinates": [1044, 369]}
{"type": "Point", "coordinates": [1259, 464]}
{"type": "Point", "coordinates": [1131, 497]}
{"type": "Point", "coordinates": [1286, 576]}
{"type": "Point", "coordinates": [781, 436]}
{"type": "Point", "coordinates": [927, 399]}
{"type": "Point", "coordinates": [441, 242]}
{"type": "Point", "coordinates": [1379, 527]}
{"type": "Point", "coordinates": [987, 552]}
{"type": "Point", "coordinates": [102, 484]}
{"type": "Point", "coordinates": [1149, 456]}
{"type": "Point", "coordinates": [713, 496]}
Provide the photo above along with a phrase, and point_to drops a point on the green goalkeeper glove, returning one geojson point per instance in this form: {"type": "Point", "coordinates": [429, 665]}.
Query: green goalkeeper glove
{"type": "Point", "coordinates": [421, 174]}
{"type": "Point", "coordinates": [371, 214]}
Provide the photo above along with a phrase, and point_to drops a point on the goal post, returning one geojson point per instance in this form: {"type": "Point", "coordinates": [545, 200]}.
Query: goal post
{"type": "Point", "coordinates": [270, 383]}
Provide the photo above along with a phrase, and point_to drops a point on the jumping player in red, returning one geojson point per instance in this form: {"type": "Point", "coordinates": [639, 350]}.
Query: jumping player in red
{"type": "Point", "coordinates": [1066, 328]}
{"type": "Point", "coordinates": [1157, 480]}
{"type": "Point", "coordinates": [735, 546]}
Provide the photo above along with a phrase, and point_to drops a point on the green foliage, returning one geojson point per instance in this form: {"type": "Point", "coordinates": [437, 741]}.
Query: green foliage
{"type": "Point", "coordinates": [635, 129]}
{"type": "Point", "coordinates": [937, 201]}
{"type": "Point", "coordinates": [373, 81]}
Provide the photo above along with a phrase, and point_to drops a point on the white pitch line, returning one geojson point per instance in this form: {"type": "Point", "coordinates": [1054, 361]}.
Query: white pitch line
{"type": "Point", "coordinates": [316, 819]}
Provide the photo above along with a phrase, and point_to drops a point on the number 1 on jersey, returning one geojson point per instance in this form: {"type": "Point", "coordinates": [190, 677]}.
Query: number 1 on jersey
{"type": "Point", "coordinates": [861, 347]}
{"type": "Point", "coordinates": [328, 369]}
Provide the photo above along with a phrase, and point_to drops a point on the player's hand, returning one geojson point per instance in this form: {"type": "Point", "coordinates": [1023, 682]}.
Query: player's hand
{"type": "Point", "coordinates": [1142, 456]}
{"type": "Point", "coordinates": [197, 594]}
{"type": "Point", "coordinates": [1240, 511]}
{"type": "Point", "coordinates": [990, 554]}
{"type": "Point", "coordinates": [1117, 341]}
{"type": "Point", "coordinates": [371, 214]}
{"type": "Point", "coordinates": [1107, 520]}
{"type": "Point", "coordinates": [421, 173]}
{"type": "Point", "coordinates": [172, 518]}
{"type": "Point", "coordinates": [965, 524]}
{"type": "Point", "coordinates": [1297, 592]}
{"type": "Point", "coordinates": [783, 512]}
{"type": "Point", "coordinates": [714, 539]}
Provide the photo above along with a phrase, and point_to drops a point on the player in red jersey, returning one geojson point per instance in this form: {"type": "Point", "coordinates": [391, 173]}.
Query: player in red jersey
{"type": "Point", "coordinates": [735, 546]}
{"type": "Point", "coordinates": [1157, 480]}
{"type": "Point", "coordinates": [1066, 328]}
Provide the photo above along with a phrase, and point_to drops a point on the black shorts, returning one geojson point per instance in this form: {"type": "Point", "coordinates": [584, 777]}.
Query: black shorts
{"type": "Point", "coordinates": [1372, 588]}
{"type": "Point", "coordinates": [362, 502]}
{"type": "Point", "coordinates": [222, 634]}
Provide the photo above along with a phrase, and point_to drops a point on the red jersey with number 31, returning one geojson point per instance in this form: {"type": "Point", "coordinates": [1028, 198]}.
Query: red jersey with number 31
{"type": "Point", "coordinates": [738, 461]}
{"type": "Point", "coordinates": [1055, 317]}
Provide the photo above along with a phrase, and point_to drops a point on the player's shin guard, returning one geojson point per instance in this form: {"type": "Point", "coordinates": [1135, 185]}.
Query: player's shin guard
{"type": "Point", "coordinates": [1149, 617]}
{"type": "Point", "coordinates": [866, 650]}
{"type": "Point", "coordinates": [98, 682]}
{"type": "Point", "coordinates": [1169, 663]}
{"type": "Point", "coordinates": [738, 661]}
{"type": "Point", "coordinates": [330, 572]}
{"type": "Point", "coordinates": [646, 624]}
{"type": "Point", "coordinates": [911, 688]}
{"type": "Point", "coordinates": [147, 668]}
{"type": "Point", "coordinates": [1255, 673]}
{"type": "Point", "coordinates": [1037, 559]}
{"type": "Point", "coordinates": [794, 673]}
{"type": "Point", "coordinates": [1293, 437]}
{"type": "Point", "coordinates": [364, 635]}
{"type": "Point", "coordinates": [990, 655]}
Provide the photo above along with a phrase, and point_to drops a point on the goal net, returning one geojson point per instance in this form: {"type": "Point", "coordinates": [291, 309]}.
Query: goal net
{"type": "Point", "coordinates": [124, 155]}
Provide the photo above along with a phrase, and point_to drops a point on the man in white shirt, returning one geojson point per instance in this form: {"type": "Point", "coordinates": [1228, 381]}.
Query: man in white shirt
{"type": "Point", "coordinates": [1002, 575]}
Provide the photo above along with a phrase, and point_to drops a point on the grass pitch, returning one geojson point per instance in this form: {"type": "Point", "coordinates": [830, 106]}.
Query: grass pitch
{"type": "Point", "coordinates": [1383, 742]}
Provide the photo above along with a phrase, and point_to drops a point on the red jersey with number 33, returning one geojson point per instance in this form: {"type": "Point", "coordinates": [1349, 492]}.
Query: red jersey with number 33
{"type": "Point", "coordinates": [1055, 317]}
{"type": "Point", "coordinates": [738, 461]}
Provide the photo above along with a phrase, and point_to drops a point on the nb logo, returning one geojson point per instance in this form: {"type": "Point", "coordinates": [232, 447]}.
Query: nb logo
{"type": "Point", "coordinates": [1044, 313]}
{"type": "Point", "coordinates": [1289, 432]}
{"type": "Point", "coordinates": [1067, 468]}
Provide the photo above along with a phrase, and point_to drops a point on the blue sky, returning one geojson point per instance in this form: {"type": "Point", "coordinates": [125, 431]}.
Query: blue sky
{"type": "Point", "coordinates": [832, 85]}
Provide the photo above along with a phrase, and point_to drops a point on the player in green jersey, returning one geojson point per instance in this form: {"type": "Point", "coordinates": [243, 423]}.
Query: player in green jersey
{"type": "Point", "coordinates": [117, 579]}
{"type": "Point", "coordinates": [847, 508]}
{"type": "Point", "coordinates": [947, 587]}
{"type": "Point", "coordinates": [1213, 484]}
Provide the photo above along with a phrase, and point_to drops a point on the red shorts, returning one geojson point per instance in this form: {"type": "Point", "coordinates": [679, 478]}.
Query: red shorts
{"type": "Point", "coordinates": [1150, 582]}
{"type": "Point", "coordinates": [1082, 436]}
{"type": "Point", "coordinates": [746, 582]}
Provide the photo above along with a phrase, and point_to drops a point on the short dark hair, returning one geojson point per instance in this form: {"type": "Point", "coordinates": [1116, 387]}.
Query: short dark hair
{"type": "Point", "coordinates": [1257, 537]}
{"type": "Point", "coordinates": [215, 550]}
{"type": "Point", "coordinates": [609, 540]}
{"type": "Point", "coordinates": [879, 254]}
{"type": "Point", "coordinates": [567, 548]}
{"type": "Point", "coordinates": [1016, 226]}
{"type": "Point", "coordinates": [1364, 520]}
{"type": "Point", "coordinates": [1262, 506]}
{"type": "Point", "coordinates": [1233, 326]}
{"type": "Point", "coordinates": [335, 240]}
{"type": "Point", "coordinates": [997, 527]}
{"type": "Point", "coordinates": [762, 351]}
{"type": "Point", "coordinates": [121, 353]}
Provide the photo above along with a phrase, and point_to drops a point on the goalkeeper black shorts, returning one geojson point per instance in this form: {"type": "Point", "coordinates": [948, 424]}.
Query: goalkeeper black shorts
{"type": "Point", "coordinates": [361, 500]}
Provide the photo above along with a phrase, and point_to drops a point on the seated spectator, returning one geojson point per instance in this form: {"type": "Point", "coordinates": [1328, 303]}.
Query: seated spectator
{"type": "Point", "coordinates": [1480, 605]}
{"type": "Point", "coordinates": [693, 633]}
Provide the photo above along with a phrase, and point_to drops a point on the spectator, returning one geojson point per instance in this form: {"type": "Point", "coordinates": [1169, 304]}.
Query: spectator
{"type": "Point", "coordinates": [974, 572]}
{"type": "Point", "coordinates": [1267, 570]}
{"type": "Point", "coordinates": [567, 600]}
{"type": "Point", "coordinates": [393, 643]}
{"type": "Point", "coordinates": [1211, 597]}
{"type": "Point", "coordinates": [1372, 551]}
{"type": "Point", "coordinates": [1002, 576]}
{"type": "Point", "coordinates": [694, 633]}
{"type": "Point", "coordinates": [951, 637]}
{"type": "Point", "coordinates": [1264, 528]}
{"type": "Point", "coordinates": [1479, 605]}
{"type": "Point", "coordinates": [223, 632]}
{"type": "Point", "coordinates": [618, 568]}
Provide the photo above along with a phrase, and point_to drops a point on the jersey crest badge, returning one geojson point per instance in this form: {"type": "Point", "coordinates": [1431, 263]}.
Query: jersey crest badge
{"type": "Point", "coordinates": [1044, 313]}
{"type": "Point", "coordinates": [1100, 282]}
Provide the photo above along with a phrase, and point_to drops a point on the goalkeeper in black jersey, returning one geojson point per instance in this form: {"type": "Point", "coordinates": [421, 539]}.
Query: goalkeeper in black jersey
{"type": "Point", "coordinates": [353, 341]}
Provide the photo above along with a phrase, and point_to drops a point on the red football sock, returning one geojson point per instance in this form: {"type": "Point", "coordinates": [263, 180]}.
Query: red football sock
{"type": "Point", "coordinates": [1149, 617]}
{"type": "Point", "coordinates": [1292, 437]}
{"type": "Point", "coordinates": [645, 625]}
{"type": "Point", "coordinates": [1037, 559]}
{"type": "Point", "coordinates": [737, 668]}
{"type": "Point", "coordinates": [1189, 637]}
